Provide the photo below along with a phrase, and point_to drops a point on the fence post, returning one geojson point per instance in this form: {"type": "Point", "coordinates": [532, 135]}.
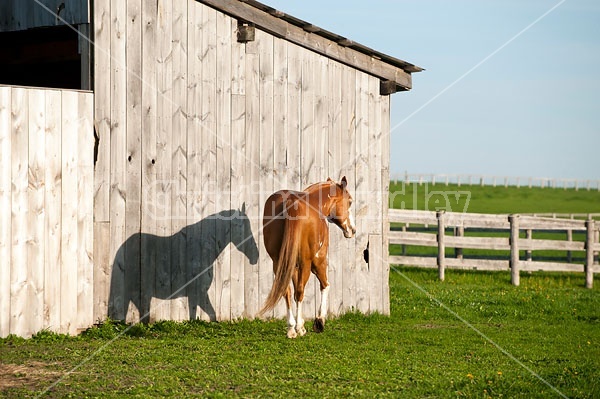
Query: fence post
{"type": "Point", "coordinates": [514, 249]}
{"type": "Point", "coordinates": [569, 239]}
{"type": "Point", "coordinates": [404, 245]}
{"type": "Point", "coordinates": [459, 232]}
{"type": "Point", "coordinates": [589, 251]}
{"type": "Point", "coordinates": [441, 259]}
{"type": "Point", "coordinates": [529, 236]}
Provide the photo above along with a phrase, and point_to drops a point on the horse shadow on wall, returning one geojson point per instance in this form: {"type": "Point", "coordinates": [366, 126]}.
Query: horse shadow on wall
{"type": "Point", "coordinates": [148, 266]}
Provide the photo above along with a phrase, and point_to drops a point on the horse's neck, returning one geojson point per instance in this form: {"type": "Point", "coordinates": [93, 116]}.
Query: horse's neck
{"type": "Point", "coordinates": [321, 194]}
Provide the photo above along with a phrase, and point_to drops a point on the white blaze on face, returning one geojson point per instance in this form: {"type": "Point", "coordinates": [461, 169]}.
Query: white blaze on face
{"type": "Point", "coordinates": [348, 226]}
{"type": "Point", "coordinates": [351, 222]}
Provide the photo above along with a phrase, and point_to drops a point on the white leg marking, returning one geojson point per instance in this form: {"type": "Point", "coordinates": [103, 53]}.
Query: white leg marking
{"type": "Point", "coordinates": [323, 307]}
{"type": "Point", "coordinates": [291, 324]}
{"type": "Point", "coordinates": [299, 320]}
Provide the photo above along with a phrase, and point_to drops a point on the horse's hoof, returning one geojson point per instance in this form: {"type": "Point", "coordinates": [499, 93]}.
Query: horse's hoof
{"type": "Point", "coordinates": [319, 325]}
{"type": "Point", "coordinates": [301, 331]}
{"type": "Point", "coordinates": [291, 333]}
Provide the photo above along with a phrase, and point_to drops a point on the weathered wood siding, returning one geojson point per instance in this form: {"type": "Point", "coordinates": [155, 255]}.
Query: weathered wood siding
{"type": "Point", "coordinates": [26, 14]}
{"type": "Point", "coordinates": [193, 124]}
{"type": "Point", "coordinates": [46, 204]}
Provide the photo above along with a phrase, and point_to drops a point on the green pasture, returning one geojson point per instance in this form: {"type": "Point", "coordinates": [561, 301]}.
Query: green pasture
{"type": "Point", "coordinates": [486, 199]}
{"type": "Point", "coordinates": [473, 335]}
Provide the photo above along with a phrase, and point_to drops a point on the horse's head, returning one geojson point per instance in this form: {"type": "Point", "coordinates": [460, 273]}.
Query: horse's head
{"type": "Point", "coordinates": [340, 213]}
{"type": "Point", "coordinates": [241, 235]}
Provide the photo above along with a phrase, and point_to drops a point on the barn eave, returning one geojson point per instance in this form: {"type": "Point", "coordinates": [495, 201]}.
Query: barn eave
{"type": "Point", "coordinates": [395, 74]}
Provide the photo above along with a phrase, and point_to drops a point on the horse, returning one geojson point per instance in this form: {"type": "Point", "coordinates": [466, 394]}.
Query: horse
{"type": "Point", "coordinates": [296, 237]}
{"type": "Point", "coordinates": [203, 242]}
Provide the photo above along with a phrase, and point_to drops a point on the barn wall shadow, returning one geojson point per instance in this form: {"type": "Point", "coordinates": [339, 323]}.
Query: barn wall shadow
{"type": "Point", "coordinates": [148, 266]}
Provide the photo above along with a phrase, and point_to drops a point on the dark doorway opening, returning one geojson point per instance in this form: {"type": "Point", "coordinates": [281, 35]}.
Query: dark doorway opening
{"type": "Point", "coordinates": [43, 57]}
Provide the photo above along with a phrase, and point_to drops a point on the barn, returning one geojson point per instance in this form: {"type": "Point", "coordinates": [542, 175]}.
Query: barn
{"type": "Point", "coordinates": [135, 171]}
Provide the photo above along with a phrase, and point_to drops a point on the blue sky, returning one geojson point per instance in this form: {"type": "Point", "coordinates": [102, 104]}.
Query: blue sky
{"type": "Point", "coordinates": [531, 109]}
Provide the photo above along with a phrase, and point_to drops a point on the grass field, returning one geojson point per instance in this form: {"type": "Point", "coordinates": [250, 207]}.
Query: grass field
{"type": "Point", "coordinates": [494, 199]}
{"type": "Point", "coordinates": [473, 335]}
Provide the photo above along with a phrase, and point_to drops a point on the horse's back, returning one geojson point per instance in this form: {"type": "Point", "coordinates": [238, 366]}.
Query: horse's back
{"type": "Point", "coordinates": [274, 220]}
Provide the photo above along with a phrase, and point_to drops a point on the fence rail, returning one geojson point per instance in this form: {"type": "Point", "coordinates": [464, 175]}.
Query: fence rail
{"type": "Point", "coordinates": [487, 180]}
{"type": "Point", "coordinates": [508, 227]}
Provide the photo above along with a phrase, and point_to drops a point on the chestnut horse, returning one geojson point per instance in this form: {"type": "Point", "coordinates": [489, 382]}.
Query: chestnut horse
{"type": "Point", "coordinates": [296, 237]}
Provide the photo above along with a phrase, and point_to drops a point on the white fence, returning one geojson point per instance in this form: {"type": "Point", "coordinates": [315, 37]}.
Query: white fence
{"type": "Point", "coordinates": [483, 180]}
{"type": "Point", "coordinates": [509, 238]}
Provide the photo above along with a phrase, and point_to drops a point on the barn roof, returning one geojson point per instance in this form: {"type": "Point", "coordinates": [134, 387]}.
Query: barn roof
{"type": "Point", "coordinates": [394, 73]}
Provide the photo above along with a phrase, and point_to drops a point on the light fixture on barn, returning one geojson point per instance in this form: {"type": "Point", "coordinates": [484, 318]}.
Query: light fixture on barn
{"type": "Point", "coordinates": [245, 32]}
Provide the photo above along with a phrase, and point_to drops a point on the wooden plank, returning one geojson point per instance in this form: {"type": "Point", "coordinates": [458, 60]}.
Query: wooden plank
{"type": "Point", "coordinates": [294, 103]}
{"type": "Point", "coordinates": [85, 207]}
{"type": "Point", "coordinates": [19, 230]}
{"type": "Point", "coordinates": [252, 299]}
{"type": "Point", "coordinates": [428, 262]}
{"type": "Point", "coordinates": [118, 145]}
{"type": "Point", "coordinates": [5, 207]}
{"type": "Point", "coordinates": [334, 163]}
{"type": "Point", "coordinates": [536, 245]}
{"type": "Point", "coordinates": [451, 263]}
{"type": "Point", "coordinates": [101, 57]}
{"type": "Point", "coordinates": [493, 243]}
{"type": "Point", "coordinates": [514, 249]}
{"type": "Point", "coordinates": [267, 109]}
{"type": "Point", "coordinates": [238, 199]}
{"type": "Point", "coordinates": [53, 200]}
{"type": "Point", "coordinates": [179, 306]}
{"type": "Point", "coordinates": [320, 137]}
{"type": "Point", "coordinates": [102, 62]}
{"type": "Point", "coordinates": [161, 307]}
{"type": "Point", "coordinates": [589, 256]}
{"type": "Point", "coordinates": [375, 186]}
{"type": "Point", "coordinates": [149, 151]}
{"type": "Point", "coordinates": [69, 236]}
{"type": "Point", "coordinates": [413, 238]}
{"type": "Point", "coordinates": [222, 267]}
{"type": "Point", "coordinates": [375, 270]}
{"type": "Point", "coordinates": [362, 195]}
{"type": "Point", "coordinates": [537, 223]}
{"type": "Point", "coordinates": [194, 156]}
{"type": "Point", "coordinates": [6, 14]}
{"type": "Point", "coordinates": [348, 154]}
{"type": "Point", "coordinates": [441, 237]}
{"type": "Point", "coordinates": [280, 135]}
{"type": "Point", "coordinates": [133, 165]}
{"type": "Point", "coordinates": [314, 43]}
{"type": "Point", "coordinates": [477, 264]}
{"type": "Point", "coordinates": [412, 216]}
{"type": "Point", "coordinates": [36, 219]}
{"type": "Point", "coordinates": [474, 220]}
{"type": "Point", "coordinates": [307, 155]}
{"type": "Point", "coordinates": [85, 44]}
{"type": "Point", "coordinates": [385, 181]}
{"type": "Point", "coordinates": [102, 269]}
{"type": "Point", "coordinates": [550, 267]}
{"type": "Point", "coordinates": [208, 128]}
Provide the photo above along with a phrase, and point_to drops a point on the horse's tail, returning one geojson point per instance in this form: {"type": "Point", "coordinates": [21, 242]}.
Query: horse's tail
{"type": "Point", "coordinates": [287, 262]}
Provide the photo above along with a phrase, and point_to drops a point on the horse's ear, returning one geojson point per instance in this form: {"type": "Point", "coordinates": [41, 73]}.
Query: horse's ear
{"type": "Point", "coordinates": [243, 208]}
{"type": "Point", "coordinates": [344, 182]}
{"type": "Point", "coordinates": [329, 179]}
